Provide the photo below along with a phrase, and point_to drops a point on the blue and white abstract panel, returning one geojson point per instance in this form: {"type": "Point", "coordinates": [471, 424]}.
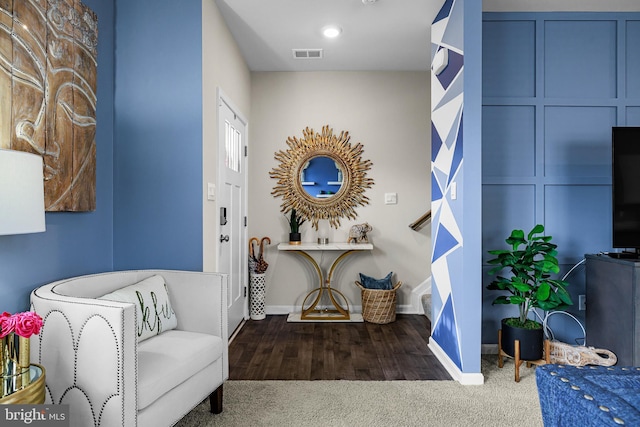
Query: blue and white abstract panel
{"type": "Point", "coordinates": [446, 165]}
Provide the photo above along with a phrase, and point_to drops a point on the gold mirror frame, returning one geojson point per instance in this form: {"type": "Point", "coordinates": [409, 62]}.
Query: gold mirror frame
{"type": "Point", "coordinates": [339, 149]}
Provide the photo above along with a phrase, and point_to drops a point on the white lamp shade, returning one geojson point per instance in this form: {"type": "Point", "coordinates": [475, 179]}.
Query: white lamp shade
{"type": "Point", "coordinates": [21, 193]}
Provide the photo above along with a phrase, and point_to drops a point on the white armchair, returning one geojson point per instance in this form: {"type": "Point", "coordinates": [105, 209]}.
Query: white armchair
{"type": "Point", "coordinates": [94, 362]}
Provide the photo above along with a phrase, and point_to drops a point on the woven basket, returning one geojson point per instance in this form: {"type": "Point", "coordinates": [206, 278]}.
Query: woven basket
{"type": "Point", "coordinates": [379, 305]}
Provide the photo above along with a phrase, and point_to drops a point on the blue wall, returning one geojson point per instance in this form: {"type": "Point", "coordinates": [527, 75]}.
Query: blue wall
{"type": "Point", "coordinates": [74, 243]}
{"type": "Point", "coordinates": [553, 86]}
{"type": "Point", "coordinates": [158, 121]}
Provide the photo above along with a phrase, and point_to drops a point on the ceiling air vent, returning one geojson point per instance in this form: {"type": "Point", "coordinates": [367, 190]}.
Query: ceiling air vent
{"type": "Point", "coordinates": [307, 53]}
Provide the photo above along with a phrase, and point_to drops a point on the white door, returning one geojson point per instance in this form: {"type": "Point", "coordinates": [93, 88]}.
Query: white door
{"type": "Point", "coordinates": [232, 211]}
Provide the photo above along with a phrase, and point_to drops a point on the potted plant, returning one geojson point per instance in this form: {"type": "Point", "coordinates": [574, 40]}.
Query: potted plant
{"type": "Point", "coordinates": [530, 286]}
{"type": "Point", "coordinates": [295, 221]}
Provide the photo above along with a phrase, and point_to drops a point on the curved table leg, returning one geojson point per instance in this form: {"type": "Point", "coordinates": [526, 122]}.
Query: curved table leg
{"type": "Point", "coordinates": [313, 313]}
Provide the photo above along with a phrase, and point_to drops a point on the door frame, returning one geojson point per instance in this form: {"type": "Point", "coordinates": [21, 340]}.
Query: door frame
{"type": "Point", "coordinates": [221, 97]}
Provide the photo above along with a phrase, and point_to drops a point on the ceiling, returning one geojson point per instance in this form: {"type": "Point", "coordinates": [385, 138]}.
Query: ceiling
{"type": "Point", "coordinates": [387, 35]}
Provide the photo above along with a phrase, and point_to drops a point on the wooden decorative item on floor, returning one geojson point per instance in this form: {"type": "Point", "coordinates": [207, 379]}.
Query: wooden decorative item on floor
{"type": "Point", "coordinates": [516, 356]}
{"type": "Point", "coordinates": [48, 75]}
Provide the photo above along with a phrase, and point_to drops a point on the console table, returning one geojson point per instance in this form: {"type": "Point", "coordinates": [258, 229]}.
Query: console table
{"type": "Point", "coordinates": [311, 311]}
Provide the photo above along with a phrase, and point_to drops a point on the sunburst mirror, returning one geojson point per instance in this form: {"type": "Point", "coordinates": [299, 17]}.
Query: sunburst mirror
{"type": "Point", "coordinates": [319, 192]}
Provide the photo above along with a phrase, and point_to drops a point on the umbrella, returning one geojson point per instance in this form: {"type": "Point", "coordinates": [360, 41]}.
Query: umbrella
{"type": "Point", "coordinates": [252, 258]}
{"type": "Point", "coordinates": [261, 264]}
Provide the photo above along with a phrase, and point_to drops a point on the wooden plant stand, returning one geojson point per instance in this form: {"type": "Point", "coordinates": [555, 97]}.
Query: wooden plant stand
{"type": "Point", "coordinates": [516, 357]}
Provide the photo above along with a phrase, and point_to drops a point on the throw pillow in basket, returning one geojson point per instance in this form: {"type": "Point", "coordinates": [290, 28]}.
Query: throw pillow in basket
{"type": "Point", "coordinates": [371, 283]}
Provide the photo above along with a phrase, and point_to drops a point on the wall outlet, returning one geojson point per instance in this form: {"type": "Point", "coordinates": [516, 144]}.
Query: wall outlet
{"type": "Point", "coordinates": [582, 302]}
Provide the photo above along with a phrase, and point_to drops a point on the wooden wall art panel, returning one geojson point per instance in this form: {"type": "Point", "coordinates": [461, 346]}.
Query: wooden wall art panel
{"type": "Point", "coordinates": [48, 74]}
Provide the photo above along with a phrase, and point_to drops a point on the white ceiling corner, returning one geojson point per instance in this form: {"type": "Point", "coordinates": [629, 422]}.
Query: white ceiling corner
{"type": "Point", "coordinates": [388, 35]}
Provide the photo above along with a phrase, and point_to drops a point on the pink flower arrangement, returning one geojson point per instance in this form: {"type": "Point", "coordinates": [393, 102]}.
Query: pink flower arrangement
{"type": "Point", "coordinates": [23, 324]}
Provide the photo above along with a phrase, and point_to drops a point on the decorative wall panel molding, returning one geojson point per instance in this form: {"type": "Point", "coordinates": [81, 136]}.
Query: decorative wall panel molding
{"type": "Point", "coordinates": [48, 73]}
{"type": "Point", "coordinates": [554, 84]}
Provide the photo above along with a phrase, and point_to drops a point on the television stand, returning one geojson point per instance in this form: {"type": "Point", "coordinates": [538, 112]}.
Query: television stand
{"type": "Point", "coordinates": [624, 255]}
{"type": "Point", "coordinates": [613, 307]}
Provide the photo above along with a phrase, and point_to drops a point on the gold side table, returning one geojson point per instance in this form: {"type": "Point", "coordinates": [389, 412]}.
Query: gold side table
{"type": "Point", "coordinates": [27, 388]}
{"type": "Point", "coordinates": [310, 305]}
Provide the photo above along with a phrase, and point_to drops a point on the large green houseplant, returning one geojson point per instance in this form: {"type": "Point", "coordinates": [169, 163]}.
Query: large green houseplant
{"type": "Point", "coordinates": [531, 261]}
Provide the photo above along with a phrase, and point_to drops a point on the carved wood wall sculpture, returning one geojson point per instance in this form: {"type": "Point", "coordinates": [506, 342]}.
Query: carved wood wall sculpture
{"type": "Point", "coordinates": [348, 159]}
{"type": "Point", "coordinates": [48, 72]}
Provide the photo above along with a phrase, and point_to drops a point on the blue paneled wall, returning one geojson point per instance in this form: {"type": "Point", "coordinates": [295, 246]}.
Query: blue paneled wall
{"type": "Point", "coordinates": [553, 86]}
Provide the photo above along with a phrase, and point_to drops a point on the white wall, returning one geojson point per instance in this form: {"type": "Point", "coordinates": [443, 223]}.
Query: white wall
{"type": "Point", "coordinates": [388, 112]}
{"type": "Point", "coordinates": [222, 66]}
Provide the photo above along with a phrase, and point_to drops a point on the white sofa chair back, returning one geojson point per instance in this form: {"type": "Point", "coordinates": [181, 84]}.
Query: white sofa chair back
{"type": "Point", "coordinates": [89, 346]}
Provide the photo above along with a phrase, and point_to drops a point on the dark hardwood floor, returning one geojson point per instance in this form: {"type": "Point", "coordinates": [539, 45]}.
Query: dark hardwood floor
{"type": "Point", "coordinates": [273, 349]}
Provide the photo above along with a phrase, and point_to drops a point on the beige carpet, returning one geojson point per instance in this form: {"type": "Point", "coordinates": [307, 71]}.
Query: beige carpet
{"type": "Point", "coordinates": [499, 402]}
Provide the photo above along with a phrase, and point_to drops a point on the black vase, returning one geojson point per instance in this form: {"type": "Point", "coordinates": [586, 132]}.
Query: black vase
{"type": "Point", "coordinates": [295, 238]}
{"type": "Point", "coordinates": [531, 341]}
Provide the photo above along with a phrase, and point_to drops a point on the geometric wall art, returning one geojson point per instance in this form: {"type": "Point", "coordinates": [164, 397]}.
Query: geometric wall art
{"type": "Point", "coordinates": [48, 74]}
{"type": "Point", "coordinates": [446, 166]}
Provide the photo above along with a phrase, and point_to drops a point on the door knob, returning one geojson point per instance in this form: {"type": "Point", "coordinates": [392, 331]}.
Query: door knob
{"type": "Point", "coordinates": [224, 238]}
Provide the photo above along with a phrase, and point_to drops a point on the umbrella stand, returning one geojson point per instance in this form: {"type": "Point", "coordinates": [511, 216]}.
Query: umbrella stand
{"type": "Point", "coordinates": [257, 275]}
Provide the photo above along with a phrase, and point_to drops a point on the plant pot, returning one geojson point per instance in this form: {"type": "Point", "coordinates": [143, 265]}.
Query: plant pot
{"type": "Point", "coordinates": [531, 341]}
{"type": "Point", "coordinates": [295, 238]}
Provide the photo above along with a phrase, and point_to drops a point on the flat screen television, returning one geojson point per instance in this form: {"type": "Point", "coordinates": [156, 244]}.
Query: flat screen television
{"type": "Point", "coordinates": [626, 189]}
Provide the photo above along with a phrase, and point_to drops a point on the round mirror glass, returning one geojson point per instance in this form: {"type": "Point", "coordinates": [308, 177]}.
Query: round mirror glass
{"type": "Point", "coordinates": [321, 177]}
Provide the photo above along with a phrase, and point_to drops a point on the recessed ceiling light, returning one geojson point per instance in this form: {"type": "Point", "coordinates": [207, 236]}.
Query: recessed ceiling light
{"type": "Point", "coordinates": [331, 31]}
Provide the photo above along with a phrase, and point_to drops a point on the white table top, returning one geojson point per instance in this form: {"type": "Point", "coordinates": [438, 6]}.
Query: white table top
{"type": "Point", "coordinates": [340, 246]}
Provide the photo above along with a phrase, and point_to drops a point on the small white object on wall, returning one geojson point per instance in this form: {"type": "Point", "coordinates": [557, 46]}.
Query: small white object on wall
{"type": "Point", "coordinates": [440, 61]}
{"type": "Point", "coordinates": [390, 198]}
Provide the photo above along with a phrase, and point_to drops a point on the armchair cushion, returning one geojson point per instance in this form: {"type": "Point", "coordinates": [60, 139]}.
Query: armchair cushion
{"type": "Point", "coordinates": [177, 355]}
{"type": "Point", "coordinates": [151, 298]}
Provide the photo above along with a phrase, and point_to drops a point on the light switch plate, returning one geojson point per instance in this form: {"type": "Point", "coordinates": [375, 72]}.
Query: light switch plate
{"type": "Point", "coordinates": [211, 191]}
{"type": "Point", "coordinates": [390, 198]}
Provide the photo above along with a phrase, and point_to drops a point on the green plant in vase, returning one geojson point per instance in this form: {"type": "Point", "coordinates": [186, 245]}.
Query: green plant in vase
{"type": "Point", "coordinates": [531, 260]}
{"type": "Point", "coordinates": [295, 221]}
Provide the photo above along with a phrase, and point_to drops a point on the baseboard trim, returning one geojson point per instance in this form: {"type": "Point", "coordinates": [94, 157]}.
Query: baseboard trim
{"type": "Point", "coordinates": [280, 309]}
{"type": "Point", "coordinates": [489, 348]}
{"type": "Point", "coordinates": [286, 309]}
{"type": "Point", "coordinates": [413, 307]}
{"type": "Point", "coordinates": [462, 377]}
